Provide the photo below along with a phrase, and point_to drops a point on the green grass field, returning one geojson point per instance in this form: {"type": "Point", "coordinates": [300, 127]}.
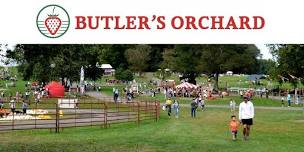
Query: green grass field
{"type": "Point", "coordinates": [273, 130]}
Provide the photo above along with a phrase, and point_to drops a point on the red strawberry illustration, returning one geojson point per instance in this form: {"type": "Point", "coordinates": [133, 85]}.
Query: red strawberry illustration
{"type": "Point", "coordinates": [53, 23]}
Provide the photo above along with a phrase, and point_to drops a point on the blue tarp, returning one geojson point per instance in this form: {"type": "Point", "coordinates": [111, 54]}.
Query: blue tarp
{"type": "Point", "coordinates": [254, 77]}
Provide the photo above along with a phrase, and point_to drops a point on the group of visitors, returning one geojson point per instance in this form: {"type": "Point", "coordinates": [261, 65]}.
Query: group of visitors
{"type": "Point", "coordinates": [172, 104]}
{"type": "Point", "coordinates": [196, 102]}
{"type": "Point", "coordinates": [289, 100]}
{"type": "Point", "coordinates": [286, 97]}
{"type": "Point", "coordinates": [12, 105]}
{"type": "Point", "coordinates": [129, 93]}
{"type": "Point", "coordinates": [249, 94]}
{"type": "Point", "coordinates": [186, 92]}
{"type": "Point", "coordinates": [23, 98]}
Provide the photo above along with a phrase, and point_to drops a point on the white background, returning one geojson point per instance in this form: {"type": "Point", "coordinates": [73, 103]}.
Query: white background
{"type": "Point", "coordinates": [284, 21]}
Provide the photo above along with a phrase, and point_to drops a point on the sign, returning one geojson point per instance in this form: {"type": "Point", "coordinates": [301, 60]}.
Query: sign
{"type": "Point", "coordinates": [67, 103]}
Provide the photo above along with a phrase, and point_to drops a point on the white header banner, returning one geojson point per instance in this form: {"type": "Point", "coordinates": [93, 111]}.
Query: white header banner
{"type": "Point", "coordinates": [153, 21]}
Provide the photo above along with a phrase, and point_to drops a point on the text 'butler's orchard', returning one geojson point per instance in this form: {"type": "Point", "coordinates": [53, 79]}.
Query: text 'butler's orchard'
{"type": "Point", "coordinates": [155, 22]}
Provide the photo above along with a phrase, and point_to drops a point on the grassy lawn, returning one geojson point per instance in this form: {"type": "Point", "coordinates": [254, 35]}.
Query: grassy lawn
{"type": "Point", "coordinates": [272, 131]}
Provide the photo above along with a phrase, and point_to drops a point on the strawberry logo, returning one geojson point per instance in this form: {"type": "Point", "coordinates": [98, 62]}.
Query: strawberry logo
{"type": "Point", "coordinates": [55, 24]}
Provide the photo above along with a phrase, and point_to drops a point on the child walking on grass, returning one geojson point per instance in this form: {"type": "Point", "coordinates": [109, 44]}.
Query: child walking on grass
{"type": "Point", "coordinates": [234, 125]}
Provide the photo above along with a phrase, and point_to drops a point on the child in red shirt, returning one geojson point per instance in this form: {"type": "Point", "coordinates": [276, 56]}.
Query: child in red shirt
{"type": "Point", "coordinates": [234, 125]}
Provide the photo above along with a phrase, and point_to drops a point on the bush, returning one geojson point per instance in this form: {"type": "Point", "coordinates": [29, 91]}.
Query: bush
{"type": "Point", "coordinates": [124, 75]}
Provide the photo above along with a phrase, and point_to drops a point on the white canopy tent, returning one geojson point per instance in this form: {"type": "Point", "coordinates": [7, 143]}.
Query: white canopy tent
{"type": "Point", "coordinates": [186, 85]}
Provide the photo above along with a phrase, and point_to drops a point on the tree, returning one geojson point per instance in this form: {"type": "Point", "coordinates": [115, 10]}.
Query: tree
{"type": "Point", "coordinates": [290, 59]}
{"type": "Point", "coordinates": [66, 60]}
{"type": "Point", "coordinates": [239, 58]}
{"type": "Point", "coordinates": [157, 57]}
{"type": "Point", "coordinates": [163, 74]}
{"type": "Point", "coordinates": [138, 57]}
{"type": "Point", "coordinates": [114, 54]}
{"type": "Point", "coordinates": [39, 73]}
{"type": "Point", "coordinates": [266, 66]}
{"type": "Point", "coordinates": [124, 75]}
{"type": "Point", "coordinates": [184, 60]}
{"type": "Point", "coordinates": [192, 60]}
{"type": "Point", "coordinates": [168, 59]}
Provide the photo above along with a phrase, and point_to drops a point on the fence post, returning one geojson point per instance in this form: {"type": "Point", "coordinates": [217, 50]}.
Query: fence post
{"type": "Point", "coordinates": [138, 113]}
{"type": "Point", "coordinates": [57, 119]}
{"type": "Point", "coordinates": [156, 113]}
{"type": "Point", "coordinates": [158, 110]}
{"type": "Point", "coordinates": [35, 115]}
{"type": "Point", "coordinates": [13, 122]}
{"type": "Point", "coordinates": [91, 114]}
{"type": "Point", "coordinates": [75, 112]}
{"type": "Point", "coordinates": [146, 108]}
{"type": "Point", "coordinates": [105, 120]}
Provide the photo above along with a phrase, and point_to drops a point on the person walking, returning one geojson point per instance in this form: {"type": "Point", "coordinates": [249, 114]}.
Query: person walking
{"type": "Point", "coordinates": [246, 115]}
{"type": "Point", "coordinates": [234, 125]}
{"type": "Point", "coordinates": [37, 98]}
{"type": "Point", "coordinates": [194, 106]}
{"type": "Point", "coordinates": [113, 91]}
{"type": "Point", "coordinates": [1, 103]}
{"type": "Point", "coordinates": [168, 106]}
{"type": "Point", "coordinates": [24, 107]}
{"type": "Point", "coordinates": [203, 105]}
{"type": "Point", "coordinates": [289, 99]}
{"type": "Point", "coordinates": [232, 105]}
{"type": "Point", "coordinates": [116, 95]}
{"type": "Point", "coordinates": [282, 101]}
{"type": "Point", "coordinates": [241, 94]}
{"type": "Point", "coordinates": [13, 105]}
{"type": "Point", "coordinates": [298, 100]}
{"type": "Point", "coordinates": [176, 108]}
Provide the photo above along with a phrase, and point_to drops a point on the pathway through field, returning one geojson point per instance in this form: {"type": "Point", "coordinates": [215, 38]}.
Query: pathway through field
{"type": "Point", "coordinates": [102, 96]}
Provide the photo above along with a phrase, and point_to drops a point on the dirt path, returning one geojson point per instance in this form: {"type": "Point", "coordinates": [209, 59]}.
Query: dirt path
{"type": "Point", "coordinates": [101, 96]}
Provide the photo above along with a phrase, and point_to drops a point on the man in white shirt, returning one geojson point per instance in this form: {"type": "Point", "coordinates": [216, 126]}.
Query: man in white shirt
{"type": "Point", "coordinates": [246, 114]}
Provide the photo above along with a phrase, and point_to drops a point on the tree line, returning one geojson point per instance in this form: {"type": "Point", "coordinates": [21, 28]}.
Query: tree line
{"type": "Point", "coordinates": [45, 62]}
{"type": "Point", "coordinates": [289, 63]}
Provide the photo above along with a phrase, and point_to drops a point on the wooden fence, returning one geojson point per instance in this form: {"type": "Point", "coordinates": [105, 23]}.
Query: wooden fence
{"type": "Point", "coordinates": [89, 113]}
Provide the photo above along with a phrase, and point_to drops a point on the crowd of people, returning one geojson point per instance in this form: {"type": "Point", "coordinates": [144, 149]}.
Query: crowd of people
{"type": "Point", "coordinates": [12, 105]}
{"type": "Point", "coordinates": [198, 101]}
{"type": "Point", "coordinates": [37, 92]}
{"type": "Point", "coordinates": [187, 92]}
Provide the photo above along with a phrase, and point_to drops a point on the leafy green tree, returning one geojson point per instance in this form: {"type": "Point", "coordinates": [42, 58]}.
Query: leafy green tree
{"type": "Point", "coordinates": [114, 54]}
{"type": "Point", "coordinates": [185, 61]}
{"type": "Point", "coordinates": [266, 66]}
{"type": "Point", "coordinates": [192, 60]}
{"type": "Point", "coordinates": [239, 58]}
{"type": "Point", "coordinates": [66, 60]}
{"type": "Point", "coordinates": [156, 56]}
{"type": "Point", "coordinates": [168, 59]}
{"type": "Point", "coordinates": [163, 74]}
{"type": "Point", "coordinates": [40, 74]}
{"type": "Point", "coordinates": [290, 59]}
{"type": "Point", "coordinates": [138, 58]}
{"type": "Point", "coordinates": [124, 75]}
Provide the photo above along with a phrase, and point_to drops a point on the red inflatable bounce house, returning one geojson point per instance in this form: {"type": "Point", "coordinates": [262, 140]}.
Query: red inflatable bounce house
{"type": "Point", "coordinates": [55, 90]}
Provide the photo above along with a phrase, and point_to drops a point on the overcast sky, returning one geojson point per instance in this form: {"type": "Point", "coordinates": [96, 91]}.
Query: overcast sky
{"type": "Point", "coordinates": [265, 51]}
